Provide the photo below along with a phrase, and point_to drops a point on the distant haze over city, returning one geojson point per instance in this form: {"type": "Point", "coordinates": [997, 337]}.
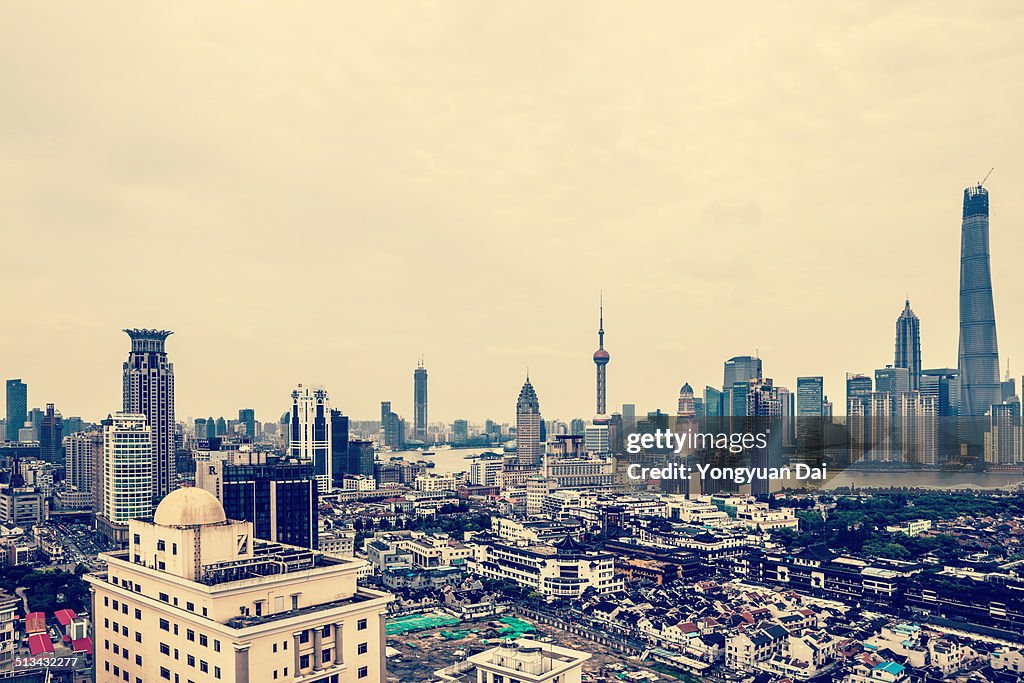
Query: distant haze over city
{"type": "Point", "coordinates": [322, 194]}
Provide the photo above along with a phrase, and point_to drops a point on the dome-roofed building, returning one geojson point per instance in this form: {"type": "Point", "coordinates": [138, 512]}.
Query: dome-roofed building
{"type": "Point", "coordinates": [189, 506]}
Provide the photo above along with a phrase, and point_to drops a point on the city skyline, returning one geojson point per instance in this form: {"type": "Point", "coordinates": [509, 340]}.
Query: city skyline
{"type": "Point", "coordinates": [657, 166]}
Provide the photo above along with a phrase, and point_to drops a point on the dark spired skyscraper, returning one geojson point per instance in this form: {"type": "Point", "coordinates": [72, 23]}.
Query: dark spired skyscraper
{"type": "Point", "coordinates": [601, 359]}
{"type": "Point", "coordinates": [979, 352]}
{"type": "Point", "coordinates": [419, 402]}
{"type": "Point", "coordinates": [149, 390]}
{"type": "Point", "coordinates": [908, 345]}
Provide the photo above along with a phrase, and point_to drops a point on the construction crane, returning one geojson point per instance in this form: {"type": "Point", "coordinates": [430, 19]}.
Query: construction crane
{"type": "Point", "coordinates": [986, 176]}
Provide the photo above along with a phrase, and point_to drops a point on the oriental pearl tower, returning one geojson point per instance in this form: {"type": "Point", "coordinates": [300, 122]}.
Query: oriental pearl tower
{"type": "Point", "coordinates": [601, 359]}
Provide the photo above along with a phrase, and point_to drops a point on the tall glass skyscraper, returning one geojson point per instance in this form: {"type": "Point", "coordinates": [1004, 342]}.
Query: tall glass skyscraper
{"type": "Point", "coordinates": [979, 352]}
{"type": "Point", "coordinates": [908, 345]}
{"type": "Point", "coordinates": [17, 407]}
{"type": "Point", "coordinates": [419, 402]}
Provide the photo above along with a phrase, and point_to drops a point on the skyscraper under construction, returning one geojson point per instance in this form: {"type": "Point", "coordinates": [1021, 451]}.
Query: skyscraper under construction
{"type": "Point", "coordinates": [979, 352]}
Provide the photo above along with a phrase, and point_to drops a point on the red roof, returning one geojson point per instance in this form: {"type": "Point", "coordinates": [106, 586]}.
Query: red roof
{"type": "Point", "coordinates": [82, 645]}
{"type": "Point", "coordinates": [35, 622]}
{"type": "Point", "coordinates": [65, 616]}
{"type": "Point", "coordinates": [38, 643]}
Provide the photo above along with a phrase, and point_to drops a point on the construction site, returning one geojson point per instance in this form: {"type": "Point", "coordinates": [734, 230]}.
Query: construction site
{"type": "Point", "coordinates": [420, 644]}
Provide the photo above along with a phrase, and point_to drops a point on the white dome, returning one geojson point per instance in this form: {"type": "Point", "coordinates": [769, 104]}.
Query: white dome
{"type": "Point", "coordinates": [189, 506]}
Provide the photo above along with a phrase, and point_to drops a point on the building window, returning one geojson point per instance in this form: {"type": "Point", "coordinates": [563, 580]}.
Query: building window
{"type": "Point", "coordinates": [138, 614]}
{"type": "Point", "coordinates": [304, 637]}
{"type": "Point", "coordinates": [165, 649]}
{"type": "Point", "coordinates": [325, 656]}
{"type": "Point", "coordinates": [204, 641]}
{"type": "Point", "coordinates": [361, 625]}
{"type": "Point", "coordinates": [135, 539]}
{"type": "Point", "coordinates": [326, 631]}
{"type": "Point", "coordinates": [216, 672]}
{"type": "Point", "coordinates": [160, 545]}
{"type": "Point", "coordinates": [164, 597]}
{"type": "Point", "coordinates": [304, 661]}
{"type": "Point", "coordinates": [165, 625]}
{"type": "Point", "coordinates": [363, 672]}
{"type": "Point", "coordinates": [165, 672]}
{"type": "Point", "coordinates": [203, 666]}
{"type": "Point", "coordinates": [363, 647]}
{"type": "Point", "coordinates": [216, 645]}
{"type": "Point", "coordinates": [190, 635]}
{"type": "Point", "coordinates": [190, 606]}
{"type": "Point", "coordinates": [190, 660]}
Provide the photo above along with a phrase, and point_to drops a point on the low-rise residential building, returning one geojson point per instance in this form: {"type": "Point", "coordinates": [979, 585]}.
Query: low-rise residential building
{"type": "Point", "coordinates": [563, 570]}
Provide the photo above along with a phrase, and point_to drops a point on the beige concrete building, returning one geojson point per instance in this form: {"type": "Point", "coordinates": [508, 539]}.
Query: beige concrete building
{"type": "Point", "coordinates": [522, 660]}
{"type": "Point", "coordinates": [196, 598]}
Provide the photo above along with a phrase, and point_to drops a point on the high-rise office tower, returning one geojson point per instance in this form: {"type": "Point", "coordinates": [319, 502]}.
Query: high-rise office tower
{"type": "Point", "coordinates": [741, 369]}
{"type": "Point", "coordinates": [528, 443]}
{"type": "Point", "coordinates": [810, 416]}
{"type": "Point", "coordinates": [360, 457]}
{"type": "Point", "coordinates": [339, 447]}
{"type": "Point", "coordinates": [810, 395]}
{"type": "Point", "coordinates": [763, 411]}
{"type": "Point", "coordinates": [129, 469]}
{"type": "Point", "coordinates": [17, 407]}
{"type": "Point", "coordinates": [892, 380]}
{"type": "Point", "coordinates": [601, 359]}
{"type": "Point", "coordinates": [419, 402]}
{"type": "Point", "coordinates": [908, 345]}
{"type": "Point", "coordinates": [309, 439]}
{"type": "Point", "coordinates": [200, 427]}
{"type": "Point", "coordinates": [460, 432]}
{"type": "Point", "coordinates": [392, 426]}
{"type": "Point", "coordinates": [82, 452]}
{"type": "Point", "coordinates": [222, 426]}
{"type": "Point", "coordinates": [278, 496]}
{"type": "Point", "coordinates": [211, 428]}
{"type": "Point", "coordinates": [51, 435]}
{"type": "Point", "coordinates": [148, 389]}
{"type": "Point", "coordinates": [943, 385]}
{"type": "Point", "coordinates": [979, 352]}
{"type": "Point", "coordinates": [247, 416]}
{"type": "Point", "coordinates": [238, 610]}
{"type": "Point", "coordinates": [858, 388]}
{"type": "Point", "coordinates": [629, 416]}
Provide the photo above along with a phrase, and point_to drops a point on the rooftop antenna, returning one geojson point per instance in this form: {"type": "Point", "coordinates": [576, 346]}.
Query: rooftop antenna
{"type": "Point", "coordinates": [1007, 368]}
{"type": "Point", "coordinates": [986, 176]}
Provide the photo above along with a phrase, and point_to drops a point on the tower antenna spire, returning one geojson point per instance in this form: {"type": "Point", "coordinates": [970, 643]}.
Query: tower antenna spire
{"type": "Point", "coordinates": [600, 323]}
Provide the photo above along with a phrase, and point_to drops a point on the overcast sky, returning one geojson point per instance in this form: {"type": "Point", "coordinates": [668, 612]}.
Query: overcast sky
{"type": "Point", "coordinates": [320, 192]}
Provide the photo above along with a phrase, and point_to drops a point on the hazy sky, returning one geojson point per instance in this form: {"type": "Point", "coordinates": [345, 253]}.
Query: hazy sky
{"type": "Point", "coordinates": [320, 192]}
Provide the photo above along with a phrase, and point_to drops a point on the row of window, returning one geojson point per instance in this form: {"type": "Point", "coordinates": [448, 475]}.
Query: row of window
{"type": "Point", "coordinates": [190, 634]}
{"type": "Point", "coordinates": [204, 666]}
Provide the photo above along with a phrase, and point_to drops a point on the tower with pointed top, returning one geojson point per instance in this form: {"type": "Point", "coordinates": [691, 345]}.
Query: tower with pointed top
{"type": "Point", "coordinates": [419, 401]}
{"type": "Point", "coordinates": [148, 389]}
{"type": "Point", "coordinates": [601, 359]}
{"type": "Point", "coordinates": [908, 345]}
{"type": "Point", "coordinates": [528, 445]}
